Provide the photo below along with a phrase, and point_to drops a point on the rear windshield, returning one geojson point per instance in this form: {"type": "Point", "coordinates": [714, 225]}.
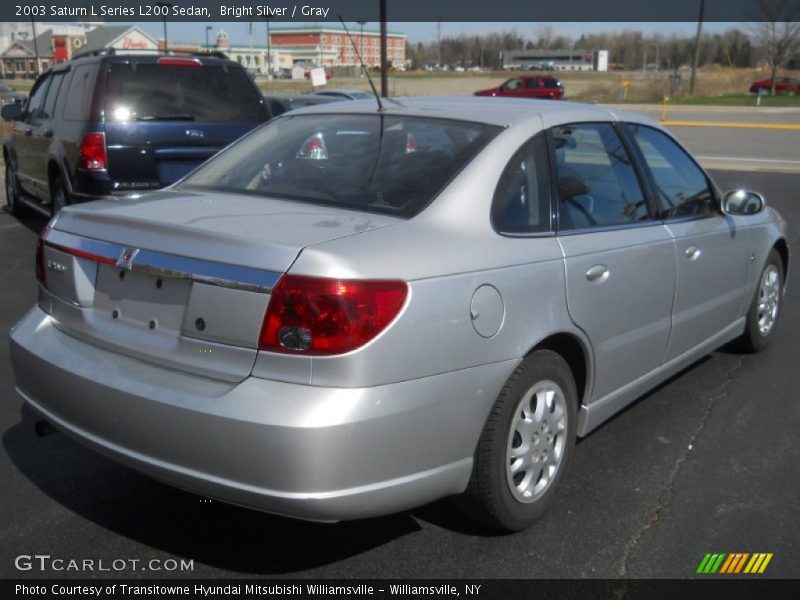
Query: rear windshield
{"type": "Point", "coordinates": [385, 164]}
{"type": "Point", "coordinates": [204, 94]}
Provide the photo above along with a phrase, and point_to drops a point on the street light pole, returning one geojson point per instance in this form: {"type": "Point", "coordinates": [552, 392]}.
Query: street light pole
{"type": "Point", "coordinates": [208, 46]}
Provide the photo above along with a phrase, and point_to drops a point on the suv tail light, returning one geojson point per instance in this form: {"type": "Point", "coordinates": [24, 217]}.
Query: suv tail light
{"type": "Point", "coordinates": [316, 316]}
{"type": "Point", "coordinates": [93, 152]}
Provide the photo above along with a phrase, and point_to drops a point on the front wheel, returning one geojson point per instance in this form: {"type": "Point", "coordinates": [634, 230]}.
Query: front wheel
{"type": "Point", "coordinates": [525, 446]}
{"type": "Point", "coordinates": [765, 308]}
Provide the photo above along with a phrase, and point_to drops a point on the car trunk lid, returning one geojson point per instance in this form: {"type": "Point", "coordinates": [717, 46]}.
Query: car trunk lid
{"type": "Point", "coordinates": [181, 279]}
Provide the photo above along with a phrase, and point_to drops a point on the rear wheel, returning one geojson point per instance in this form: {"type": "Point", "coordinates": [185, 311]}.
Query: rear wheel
{"type": "Point", "coordinates": [58, 195]}
{"type": "Point", "coordinates": [525, 446]}
{"type": "Point", "coordinates": [765, 308]}
{"type": "Point", "coordinates": [12, 190]}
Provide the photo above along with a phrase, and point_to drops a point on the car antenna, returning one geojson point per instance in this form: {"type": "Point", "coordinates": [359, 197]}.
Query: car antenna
{"type": "Point", "coordinates": [363, 66]}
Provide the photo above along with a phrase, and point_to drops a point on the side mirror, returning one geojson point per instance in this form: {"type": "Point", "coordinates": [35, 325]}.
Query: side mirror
{"type": "Point", "coordinates": [742, 202]}
{"type": "Point", "coordinates": [12, 112]}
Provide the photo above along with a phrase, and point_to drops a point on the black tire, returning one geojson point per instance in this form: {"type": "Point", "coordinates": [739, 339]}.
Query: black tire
{"type": "Point", "coordinates": [755, 338]}
{"type": "Point", "coordinates": [59, 197]}
{"type": "Point", "coordinates": [489, 497]}
{"type": "Point", "coordinates": [12, 190]}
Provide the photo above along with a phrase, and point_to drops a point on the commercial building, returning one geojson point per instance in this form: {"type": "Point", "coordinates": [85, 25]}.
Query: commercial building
{"type": "Point", "coordinates": [323, 46]}
{"type": "Point", "coordinates": [556, 60]}
{"type": "Point", "coordinates": [58, 43]}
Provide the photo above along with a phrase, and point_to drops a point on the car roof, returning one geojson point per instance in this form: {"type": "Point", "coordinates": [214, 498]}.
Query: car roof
{"type": "Point", "coordinates": [342, 91]}
{"type": "Point", "coordinates": [491, 111]}
{"type": "Point", "coordinates": [147, 57]}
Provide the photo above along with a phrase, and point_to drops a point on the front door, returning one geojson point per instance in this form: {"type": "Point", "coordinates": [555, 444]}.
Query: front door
{"type": "Point", "coordinates": [711, 248]}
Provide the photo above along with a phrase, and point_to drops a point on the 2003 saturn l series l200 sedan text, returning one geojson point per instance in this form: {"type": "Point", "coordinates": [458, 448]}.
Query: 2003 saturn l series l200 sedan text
{"type": "Point", "coordinates": [352, 311]}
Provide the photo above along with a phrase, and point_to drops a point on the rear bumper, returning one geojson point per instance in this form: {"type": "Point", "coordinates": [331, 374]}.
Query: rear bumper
{"type": "Point", "coordinates": [324, 454]}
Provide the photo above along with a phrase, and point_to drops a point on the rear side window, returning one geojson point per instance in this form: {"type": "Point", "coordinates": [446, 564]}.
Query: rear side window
{"type": "Point", "coordinates": [79, 96]}
{"type": "Point", "coordinates": [552, 83]}
{"type": "Point", "coordinates": [522, 200]}
{"type": "Point", "coordinates": [393, 165]}
{"type": "Point", "coordinates": [681, 187]}
{"type": "Point", "coordinates": [531, 83]}
{"type": "Point", "coordinates": [597, 183]}
{"type": "Point", "coordinates": [203, 94]}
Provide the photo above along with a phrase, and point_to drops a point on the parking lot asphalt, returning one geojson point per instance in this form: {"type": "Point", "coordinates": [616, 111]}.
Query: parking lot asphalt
{"type": "Point", "coordinates": [708, 462]}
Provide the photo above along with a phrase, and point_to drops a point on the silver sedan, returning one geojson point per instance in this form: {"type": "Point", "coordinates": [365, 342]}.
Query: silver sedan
{"type": "Point", "coordinates": [352, 311]}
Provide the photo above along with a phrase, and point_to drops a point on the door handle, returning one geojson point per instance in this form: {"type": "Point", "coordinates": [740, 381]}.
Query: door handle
{"type": "Point", "coordinates": [693, 252]}
{"type": "Point", "coordinates": [598, 273]}
{"type": "Point", "coordinates": [28, 131]}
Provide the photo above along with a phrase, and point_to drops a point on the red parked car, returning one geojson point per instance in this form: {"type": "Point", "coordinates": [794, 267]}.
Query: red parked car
{"type": "Point", "coordinates": [783, 85]}
{"type": "Point", "coordinates": [528, 86]}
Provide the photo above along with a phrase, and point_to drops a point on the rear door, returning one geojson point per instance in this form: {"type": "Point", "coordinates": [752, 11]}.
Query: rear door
{"type": "Point", "coordinates": [619, 261]}
{"type": "Point", "coordinates": [164, 118]}
{"type": "Point", "coordinates": [712, 248]}
{"type": "Point", "coordinates": [25, 136]}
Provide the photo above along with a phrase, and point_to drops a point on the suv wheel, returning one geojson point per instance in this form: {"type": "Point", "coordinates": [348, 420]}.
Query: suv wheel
{"type": "Point", "coordinates": [58, 195]}
{"type": "Point", "coordinates": [525, 446]}
{"type": "Point", "coordinates": [12, 190]}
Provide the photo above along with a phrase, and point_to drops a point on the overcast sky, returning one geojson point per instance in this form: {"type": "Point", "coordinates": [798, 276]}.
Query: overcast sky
{"type": "Point", "coordinates": [425, 32]}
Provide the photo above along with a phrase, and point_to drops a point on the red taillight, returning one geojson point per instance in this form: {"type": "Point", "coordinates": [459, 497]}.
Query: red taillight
{"type": "Point", "coordinates": [311, 315]}
{"type": "Point", "coordinates": [411, 144]}
{"type": "Point", "coordinates": [41, 271]}
{"type": "Point", "coordinates": [314, 148]}
{"type": "Point", "coordinates": [169, 61]}
{"type": "Point", "coordinates": [93, 152]}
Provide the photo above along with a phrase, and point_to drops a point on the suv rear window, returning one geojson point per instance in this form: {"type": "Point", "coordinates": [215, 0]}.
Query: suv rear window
{"type": "Point", "coordinates": [204, 94]}
{"type": "Point", "coordinates": [385, 164]}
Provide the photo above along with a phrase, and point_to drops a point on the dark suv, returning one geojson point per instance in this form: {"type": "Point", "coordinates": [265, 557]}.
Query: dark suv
{"type": "Point", "coordinates": [112, 124]}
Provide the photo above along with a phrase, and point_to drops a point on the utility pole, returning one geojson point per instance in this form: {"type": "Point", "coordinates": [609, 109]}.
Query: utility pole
{"type": "Point", "coordinates": [439, 41]}
{"type": "Point", "coordinates": [166, 6]}
{"type": "Point", "coordinates": [384, 65]}
{"type": "Point", "coordinates": [208, 47]}
{"type": "Point", "coordinates": [35, 49]}
{"type": "Point", "coordinates": [696, 59]}
{"type": "Point", "coordinates": [361, 44]}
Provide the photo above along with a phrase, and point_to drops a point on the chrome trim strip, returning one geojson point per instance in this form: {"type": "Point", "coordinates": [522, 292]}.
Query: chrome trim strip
{"type": "Point", "coordinates": [172, 265]}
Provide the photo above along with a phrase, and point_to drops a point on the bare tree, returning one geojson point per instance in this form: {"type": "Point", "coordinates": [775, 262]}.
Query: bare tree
{"type": "Point", "coordinates": [544, 36]}
{"type": "Point", "coordinates": [778, 35]}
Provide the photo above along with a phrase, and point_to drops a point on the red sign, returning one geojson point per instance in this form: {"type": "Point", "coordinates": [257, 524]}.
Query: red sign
{"type": "Point", "coordinates": [129, 43]}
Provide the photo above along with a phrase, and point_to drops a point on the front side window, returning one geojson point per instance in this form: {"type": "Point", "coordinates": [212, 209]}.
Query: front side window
{"type": "Point", "coordinates": [393, 165]}
{"type": "Point", "coordinates": [522, 200]}
{"type": "Point", "coordinates": [681, 187]}
{"type": "Point", "coordinates": [511, 84]}
{"type": "Point", "coordinates": [597, 183]}
{"type": "Point", "coordinates": [36, 100]}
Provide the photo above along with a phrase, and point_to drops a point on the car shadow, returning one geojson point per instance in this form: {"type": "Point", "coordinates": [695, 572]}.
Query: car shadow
{"type": "Point", "coordinates": [30, 219]}
{"type": "Point", "coordinates": [181, 523]}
